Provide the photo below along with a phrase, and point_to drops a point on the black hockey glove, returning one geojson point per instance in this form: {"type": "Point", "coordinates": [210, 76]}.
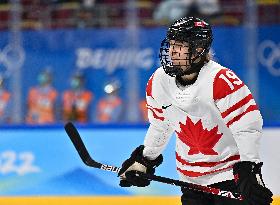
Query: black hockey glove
{"type": "Point", "coordinates": [139, 163]}
{"type": "Point", "coordinates": [249, 182]}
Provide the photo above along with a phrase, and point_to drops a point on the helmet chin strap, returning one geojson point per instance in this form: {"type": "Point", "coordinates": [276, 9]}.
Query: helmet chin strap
{"type": "Point", "coordinates": [194, 68]}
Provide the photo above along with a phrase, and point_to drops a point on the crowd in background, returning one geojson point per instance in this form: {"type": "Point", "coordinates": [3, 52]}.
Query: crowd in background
{"type": "Point", "coordinates": [44, 14]}
{"type": "Point", "coordinates": [45, 105]}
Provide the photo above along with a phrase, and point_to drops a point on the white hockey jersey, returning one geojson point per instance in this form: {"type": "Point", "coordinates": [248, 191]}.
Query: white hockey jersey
{"type": "Point", "coordinates": [216, 121]}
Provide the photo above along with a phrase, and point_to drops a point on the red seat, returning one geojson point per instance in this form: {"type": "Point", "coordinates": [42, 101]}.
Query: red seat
{"type": "Point", "coordinates": [4, 16]}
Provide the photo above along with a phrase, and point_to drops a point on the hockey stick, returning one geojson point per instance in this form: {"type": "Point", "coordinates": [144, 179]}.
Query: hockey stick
{"type": "Point", "coordinates": [75, 137]}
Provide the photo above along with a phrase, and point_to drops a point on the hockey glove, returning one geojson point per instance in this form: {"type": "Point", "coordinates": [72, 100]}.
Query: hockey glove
{"type": "Point", "coordinates": [137, 162]}
{"type": "Point", "coordinates": [248, 179]}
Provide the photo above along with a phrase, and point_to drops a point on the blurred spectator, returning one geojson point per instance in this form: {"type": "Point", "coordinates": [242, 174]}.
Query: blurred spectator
{"type": "Point", "coordinates": [110, 107]}
{"type": "Point", "coordinates": [76, 101]}
{"type": "Point", "coordinates": [89, 3]}
{"type": "Point", "coordinates": [86, 15]}
{"type": "Point", "coordinates": [170, 10]}
{"type": "Point", "coordinates": [41, 100]}
{"type": "Point", "coordinates": [5, 97]}
{"type": "Point", "coordinates": [143, 110]}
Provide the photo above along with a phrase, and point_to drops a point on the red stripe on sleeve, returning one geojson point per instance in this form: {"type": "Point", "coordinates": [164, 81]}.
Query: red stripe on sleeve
{"type": "Point", "coordinates": [237, 105]}
{"type": "Point", "coordinates": [249, 109]}
{"type": "Point", "coordinates": [154, 110]}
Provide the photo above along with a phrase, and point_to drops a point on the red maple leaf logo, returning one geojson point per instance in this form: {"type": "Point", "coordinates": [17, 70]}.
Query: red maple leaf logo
{"type": "Point", "coordinates": [199, 140]}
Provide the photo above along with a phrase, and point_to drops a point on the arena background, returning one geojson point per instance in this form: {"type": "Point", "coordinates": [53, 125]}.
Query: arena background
{"type": "Point", "coordinates": [38, 163]}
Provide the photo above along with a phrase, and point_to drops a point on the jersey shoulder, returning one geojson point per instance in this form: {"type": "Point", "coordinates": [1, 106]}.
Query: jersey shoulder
{"type": "Point", "coordinates": [225, 83]}
{"type": "Point", "coordinates": [158, 80]}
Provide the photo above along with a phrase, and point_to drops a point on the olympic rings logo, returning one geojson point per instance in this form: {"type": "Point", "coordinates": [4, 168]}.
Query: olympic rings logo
{"type": "Point", "coordinates": [12, 57]}
{"type": "Point", "coordinates": [269, 56]}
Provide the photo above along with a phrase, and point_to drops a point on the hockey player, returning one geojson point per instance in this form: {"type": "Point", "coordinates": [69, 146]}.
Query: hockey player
{"type": "Point", "coordinates": [216, 120]}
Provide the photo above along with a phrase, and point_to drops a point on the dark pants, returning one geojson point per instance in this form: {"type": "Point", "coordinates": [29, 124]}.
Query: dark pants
{"type": "Point", "coordinates": [190, 197]}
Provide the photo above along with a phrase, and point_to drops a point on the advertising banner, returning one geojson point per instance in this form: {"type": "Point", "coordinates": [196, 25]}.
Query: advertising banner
{"type": "Point", "coordinates": [44, 162]}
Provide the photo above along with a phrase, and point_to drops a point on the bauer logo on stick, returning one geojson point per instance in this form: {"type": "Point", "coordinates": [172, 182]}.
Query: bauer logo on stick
{"type": "Point", "coordinates": [110, 168]}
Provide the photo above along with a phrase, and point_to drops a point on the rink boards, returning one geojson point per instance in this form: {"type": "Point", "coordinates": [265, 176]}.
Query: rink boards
{"type": "Point", "coordinates": [41, 166]}
{"type": "Point", "coordinates": [97, 200]}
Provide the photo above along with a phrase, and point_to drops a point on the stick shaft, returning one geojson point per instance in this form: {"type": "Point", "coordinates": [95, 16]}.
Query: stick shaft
{"type": "Point", "coordinates": [78, 143]}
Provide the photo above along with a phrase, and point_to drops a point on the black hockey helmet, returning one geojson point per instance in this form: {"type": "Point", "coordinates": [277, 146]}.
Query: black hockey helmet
{"type": "Point", "coordinates": [197, 34]}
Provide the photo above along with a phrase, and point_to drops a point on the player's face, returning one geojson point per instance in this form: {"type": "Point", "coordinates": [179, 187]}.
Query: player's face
{"type": "Point", "coordinates": [179, 54]}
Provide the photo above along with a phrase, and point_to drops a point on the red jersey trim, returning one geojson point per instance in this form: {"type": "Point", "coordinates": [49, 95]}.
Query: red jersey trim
{"type": "Point", "coordinates": [149, 87]}
{"type": "Point", "coordinates": [156, 112]}
{"type": "Point", "coordinates": [249, 109]}
{"type": "Point", "coordinates": [242, 102]}
{"type": "Point", "coordinates": [221, 88]}
{"type": "Point", "coordinates": [198, 174]}
{"type": "Point", "coordinates": [206, 164]}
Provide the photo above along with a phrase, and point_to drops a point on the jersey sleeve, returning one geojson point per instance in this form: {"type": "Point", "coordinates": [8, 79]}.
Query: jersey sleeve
{"type": "Point", "coordinates": [160, 130]}
{"type": "Point", "coordinates": [239, 112]}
